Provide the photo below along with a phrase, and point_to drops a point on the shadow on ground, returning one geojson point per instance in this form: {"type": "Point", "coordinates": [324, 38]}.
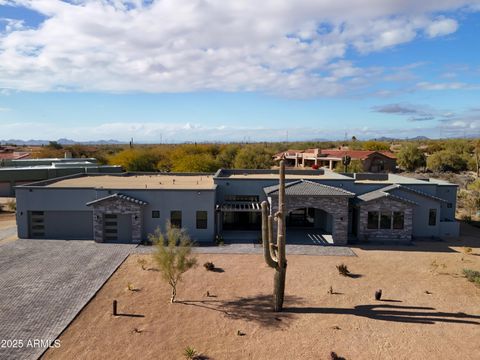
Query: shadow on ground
{"type": "Point", "coordinates": [256, 308]}
{"type": "Point", "coordinates": [259, 310]}
{"type": "Point", "coordinates": [396, 313]}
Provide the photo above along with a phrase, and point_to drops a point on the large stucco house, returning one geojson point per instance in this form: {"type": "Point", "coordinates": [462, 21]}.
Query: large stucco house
{"type": "Point", "coordinates": [372, 161]}
{"type": "Point", "coordinates": [340, 208]}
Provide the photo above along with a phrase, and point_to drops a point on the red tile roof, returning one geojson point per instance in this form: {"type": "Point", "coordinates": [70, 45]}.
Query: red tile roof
{"type": "Point", "coordinates": [356, 154]}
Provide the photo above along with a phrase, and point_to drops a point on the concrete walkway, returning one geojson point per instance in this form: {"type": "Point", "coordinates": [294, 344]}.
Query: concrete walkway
{"type": "Point", "coordinates": [43, 286]}
{"type": "Point", "coordinates": [313, 250]}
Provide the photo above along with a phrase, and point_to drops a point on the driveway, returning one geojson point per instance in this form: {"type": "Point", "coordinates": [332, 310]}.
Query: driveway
{"type": "Point", "coordinates": [43, 286]}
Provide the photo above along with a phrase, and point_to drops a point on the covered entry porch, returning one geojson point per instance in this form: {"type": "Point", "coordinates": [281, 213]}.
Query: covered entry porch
{"type": "Point", "coordinates": [315, 212]}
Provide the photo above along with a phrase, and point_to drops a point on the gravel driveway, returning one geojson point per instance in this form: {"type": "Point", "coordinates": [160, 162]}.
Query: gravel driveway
{"type": "Point", "coordinates": [43, 286]}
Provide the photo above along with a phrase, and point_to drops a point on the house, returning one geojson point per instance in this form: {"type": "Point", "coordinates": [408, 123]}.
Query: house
{"type": "Point", "coordinates": [9, 153]}
{"type": "Point", "coordinates": [23, 171]}
{"type": "Point", "coordinates": [373, 161]}
{"type": "Point", "coordinates": [338, 208]}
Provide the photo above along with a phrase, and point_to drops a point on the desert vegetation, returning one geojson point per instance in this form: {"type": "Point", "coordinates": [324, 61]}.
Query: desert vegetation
{"type": "Point", "coordinates": [173, 255]}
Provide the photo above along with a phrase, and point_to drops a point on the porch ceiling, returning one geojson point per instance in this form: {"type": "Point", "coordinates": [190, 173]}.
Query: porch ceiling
{"type": "Point", "coordinates": [241, 207]}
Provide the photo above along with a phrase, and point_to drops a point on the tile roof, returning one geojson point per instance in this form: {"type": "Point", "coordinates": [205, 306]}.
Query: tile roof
{"type": "Point", "coordinates": [418, 192]}
{"type": "Point", "coordinates": [310, 188]}
{"type": "Point", "coordinates": [118, 196]}
{"type": "Point", "coordinates": [356, 154]}
{"type": "Point", "coordinates": [379, 194]}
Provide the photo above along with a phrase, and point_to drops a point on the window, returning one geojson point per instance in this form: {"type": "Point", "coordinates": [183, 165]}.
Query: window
{"type": "Point", "coordinates": [432, 217]}
{"type": "Point", "coordinates": [398, 220]}
{"type": "Point", "coordinates": [176, 218]}
{"type": "Point", "coordinates": [385, 220]}
{"type": "Point", "coordinates": [155, 214]}
{"type": "Point", "coordinates": [202, 219]}
{"type": "Point", "coordinates": [449, 205]}
{"type": "Point", "coordinates": [372, 220]}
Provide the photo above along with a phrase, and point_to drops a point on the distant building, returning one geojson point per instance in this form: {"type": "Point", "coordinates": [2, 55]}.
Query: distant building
{"type": "Point", "coordinates": [23, 171]}
{"type": "Point", "coordinates": [373, 161]}
{"type": "Point", "coordinates": [321, 205]}
{"type": "Point", "coordinates": [9, 153]}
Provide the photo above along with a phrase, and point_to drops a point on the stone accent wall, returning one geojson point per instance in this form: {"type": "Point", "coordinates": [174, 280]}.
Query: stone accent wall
{"type": "Point", "coordinates": [337, 206]}
{"type": "Point", "coordinates": [390, 205]}
{"type": "Point", "coordinates": [117, 206]}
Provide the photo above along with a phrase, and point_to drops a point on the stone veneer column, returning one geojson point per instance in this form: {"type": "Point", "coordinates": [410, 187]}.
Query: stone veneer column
{"type": "Point", "coordinates": [97, 225]}
{"type": "Point", "coordinates": [137, 227]}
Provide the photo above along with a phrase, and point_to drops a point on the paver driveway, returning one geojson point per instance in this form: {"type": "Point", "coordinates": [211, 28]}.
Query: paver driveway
{"type": "Point", "coordinates": [44, 284]}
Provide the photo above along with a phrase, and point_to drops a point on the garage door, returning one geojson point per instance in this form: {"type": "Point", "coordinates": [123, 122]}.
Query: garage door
{"type": "Point", "coordinates": [61, 224]}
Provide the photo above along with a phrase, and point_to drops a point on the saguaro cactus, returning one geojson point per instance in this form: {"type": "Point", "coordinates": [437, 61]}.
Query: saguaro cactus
{"type": "Point", "coordinates": [274, 252]}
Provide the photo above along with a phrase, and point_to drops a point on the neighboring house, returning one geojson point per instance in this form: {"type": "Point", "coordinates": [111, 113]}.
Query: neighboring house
{"type": "Point", "coordinates": [373, 161]}
{"type": "Point", "coordinates": [129, 206]}
{"type": "Point", "coordinates": [9, 153]}
{"type": "Point", "coordinates": [29, 170]}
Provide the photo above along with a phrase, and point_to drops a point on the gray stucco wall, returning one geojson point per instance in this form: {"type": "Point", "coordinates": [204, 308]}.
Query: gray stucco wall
{"type": "Point", "coordinates": [449, 193]}
{"type": "Point", "coordinates": [421, 213]}
{"type": "Point", "coordinates": [75, 199]}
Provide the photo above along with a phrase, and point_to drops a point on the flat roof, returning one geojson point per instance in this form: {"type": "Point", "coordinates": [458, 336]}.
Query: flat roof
{"type": "Point", "coordinates": [291, 174]}
{"type": "Point", "coordinates": [151, 181]}
{"type": "Point", "coordinates": [398, 179]}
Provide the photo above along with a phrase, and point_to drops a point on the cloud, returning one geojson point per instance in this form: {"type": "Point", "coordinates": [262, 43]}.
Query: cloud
{"type": "Point", "coordinates": [441, 27]}
{"type": "Point", "coordinates": [425, 85]}
{"type": "Point", "coordinates": [297, 49]}
{"type": "Point", "coordinates": [414, 112]}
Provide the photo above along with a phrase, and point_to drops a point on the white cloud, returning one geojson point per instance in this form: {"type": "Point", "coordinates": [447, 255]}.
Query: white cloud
{"type": "Point", "coordinates": [425, 85]}
{"type": "Point", "coordinates": [277, 46]}
{"type": "Point", "coordinates": [441, 27]}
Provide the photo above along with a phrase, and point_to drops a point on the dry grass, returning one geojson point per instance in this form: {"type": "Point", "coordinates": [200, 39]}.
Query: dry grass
{"type": "Point", "coordinates": [424, 315]}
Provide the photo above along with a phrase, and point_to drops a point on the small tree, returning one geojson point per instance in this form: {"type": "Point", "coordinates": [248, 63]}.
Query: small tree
{"type": "Point", "coordinates": [173, 255]}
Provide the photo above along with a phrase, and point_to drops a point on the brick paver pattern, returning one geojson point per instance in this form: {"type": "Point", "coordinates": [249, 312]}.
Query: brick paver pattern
{"type": "Point", "coordinates": [45, 283]}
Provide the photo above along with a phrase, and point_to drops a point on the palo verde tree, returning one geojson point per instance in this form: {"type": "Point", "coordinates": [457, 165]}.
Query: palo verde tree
{"type": "Point", "coordinates": [274, 253]}
{"type": "Point", "coordinates": [173, 255]}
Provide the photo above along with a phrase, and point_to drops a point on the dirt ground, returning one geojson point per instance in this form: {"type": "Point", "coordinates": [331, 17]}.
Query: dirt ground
{"type": "Point", "coordinates": [429, 310]}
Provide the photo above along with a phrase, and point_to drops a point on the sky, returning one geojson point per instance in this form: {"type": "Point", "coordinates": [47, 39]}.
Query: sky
{"type": "Point", "coordinates": [216, 70]}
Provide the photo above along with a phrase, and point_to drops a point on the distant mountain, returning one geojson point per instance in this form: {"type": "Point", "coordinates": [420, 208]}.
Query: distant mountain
{"type": "Point", "coordinates": [389, 139]}
{"type": "Point", "coordinates": [62, 141]}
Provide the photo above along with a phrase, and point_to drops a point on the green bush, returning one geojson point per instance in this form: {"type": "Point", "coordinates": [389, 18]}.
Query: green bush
{"type": "Point", "coordinates": [410, 157]}
{"type": "Point", "coordinates": [472, 276]}
{"type": "Point", "coordinates": [447, 160]}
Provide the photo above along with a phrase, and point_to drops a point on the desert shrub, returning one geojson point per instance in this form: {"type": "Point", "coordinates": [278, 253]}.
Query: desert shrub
{"type": "Point", "coordinates": [343, 269]}
{"type": "Point", "coordinates": [472, 276]}
{"type": "Point", "coordinates": [173, 255]}
{"type": "Point", "coordinates": [11, 205]}
{"type": "Point", "coordinates": [253, 157]}
{"type": "Point", "coordinates": [143, 263]}
{"type": "Point", "coordinates": [448, 160]}
{"type": "Point", "coordinates": [375, 145]}
{"type": "Point", "coordinates": [190, 353]}
{"type": "Point", "coordinates": [209, 266]}
{"type": "Point", "coordinates": [355, 166]}
{"type": "Point", "coordinates": [410, 157]}
{"type": "Point", "coordinates": [219, 240]}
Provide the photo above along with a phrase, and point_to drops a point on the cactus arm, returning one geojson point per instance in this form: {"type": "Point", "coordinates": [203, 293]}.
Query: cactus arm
{"type": "Point", "coordinates": [272, 246]}
{"type": "Point", "coordinates": [266, 238]}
